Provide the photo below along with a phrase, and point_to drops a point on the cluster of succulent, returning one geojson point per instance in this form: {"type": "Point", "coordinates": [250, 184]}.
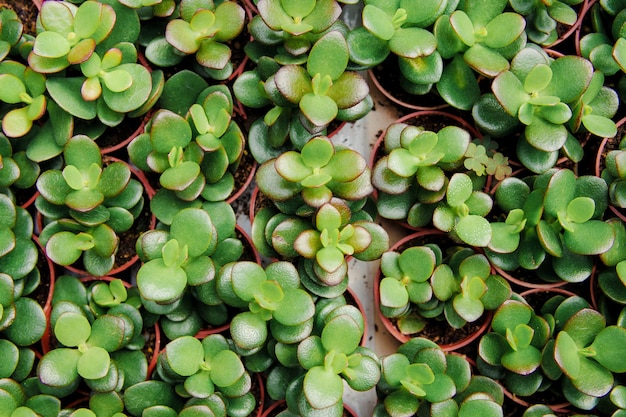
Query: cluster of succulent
{"type": "Point", "coordinates": [564, 339]}
{"type": "Point", "coordinates": [318, 215]}
{"type": "Point", "coordinates": [209, 86]}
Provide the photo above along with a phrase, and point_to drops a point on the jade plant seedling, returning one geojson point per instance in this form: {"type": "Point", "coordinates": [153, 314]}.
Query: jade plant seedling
{"type": "Point", "coordinates": [533, 91]}
{"type": "Point", "coordinates": [175, 259]}
{"type": "Point", "coordinates": [419, 181]}
{"type": "Point", "coordinates": [421, 378]}
{"type": "Point", "coordinates": [87, 204]}
{"type": "Point", "coordinates": [330, 359]}
{"type": "Point", "coordinates": [585, 350]}
{"type": "Point", "coordinates": [193, 155]}
{"type": "Point", "coordinates": [423, 282]}
{"type": "Point", "coordinates": [559, 228]}
{"type": "Point", "coordinates": [201, 368]}
{"type": "Point", "coordinates": [399, 28]}
{"type": "Point", "coordinates": [69, 34]}
{"type": "Point", "coordinates": [204, 29]}
{"type": "Point", "coordinates": [324, 90]}
{"type": "Point", "coordinates": [512, 350]}
{"type": "Point", "coordinates": [22, 91]}
{"type": "Point", "coordinates": [479, 38]}
{"type": "Point", "coordinates": [277, 306]}
{"type": "Point", "coordinates": [318, 173]}
{"type": "Point", "coordinates": [108, 88]}
{"type": "Point", "coordinates": [543, 20]}
{"type": "Point", "coordinates": [334, 234]}
{"type": "Point", "coordinates": [86, 351]}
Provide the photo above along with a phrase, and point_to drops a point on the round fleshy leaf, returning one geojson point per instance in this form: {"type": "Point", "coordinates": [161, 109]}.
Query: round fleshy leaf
{"type": "Point", "coordinates": [58, 367]}
{"type": "Point", "coordinates": [184, 355]}
{"type": "Point", "coordinates": [194, 228]}
{"type": "Point", "coordinates": [159, 283]}
{"type": "Point", "coordinates": [199, 385]}
{"type": "Point", "coordinates": [322, 387]}
{"type": "Point", "coordinates": [320, 110]}
{"type": "Point", "coordinates": [474, 230]}
{"type": "Point", "coordinates": [296, 308]}
{"type": "Point", "coordinates": [72, 329]}
{"type": "Point", "coordinates": [392, 293]}
{"type": "Point", "coordinates": [378, 22]}
{"type": "Point", "coordinates": [169, 130]}
{"type": "Point", "coordinates": [459, 189]}
{"type": "Point", "coordinates": [318, 152]}
{"type": "Point", "coordinates": [329, 56]}
{"type": "Point", "coordinates": [226, 369]}
{"type": "Point", "coordinates": [608, 344]}
{"type": "Point", "coordinates": [29, 324]}
{"type": "Point", "coordinates": [94, 363]}
{"type": "Point", "coordinates": [246, 279]}
{"type": "Point", "coordinates": [341, 334]}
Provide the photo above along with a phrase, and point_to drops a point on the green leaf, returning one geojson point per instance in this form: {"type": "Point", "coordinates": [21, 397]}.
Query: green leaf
{"type": "Point", "coordinates": [459, 189]}
{"type": "Point", "coordinates": [160, 283]}
{"type": "Point", "coordinates": [199, 385]}
{"type": "Point", "coordinates": [538, 79]}
{"type": "Point", "coordinates": [417, 263]}
{"type": "Point", "coordinates": [566, 355]}
{"type": "Point", "coordinates": [607, 346]}
{"type": "Point", "coordinates": [295, 309]}
{"type": "Point", "coordinates": [320, 110]}
{"type": "Point", "coordinates": [12, 89]}
{"type": "Point", "coordinates": [72, 329]}
{"type": "Point", "coordinates": [474, 230]}
{"type": "Point", "coordinates": [329, 56]}
{"type": "Point", "coordinates": [503, 30]}
{"type": "Point", "coordinates": [226, 368]}
{"type": "Point", "coordinates": [378, 22]}
{"type": "Point", "coordinates": [392, 293]}
{"type": "Point", "coordinates": [298, 9]}
{"type": "Point", "coordinates": [463, 27]}
{"type": "Point", "coordinates": [63, 248]}
{"type": "Point", "coordinates": [58, 367]}
{"type": "Point", "coordinates": [184, 355]}
{"type": "Point", "coordinates": [180, 177]}
{"type": "Point", "coordinates": [94, 363]}
{"type": "Point", "coordinates": [342, 334]}
{"type": "Point", "coordinates": [590, 238]}
{"type": "Point", "coordinates": [322, 388]}
{"type": "Point", "coordinates": [317, 152]}
{"type": "Point", "coordinates": [49, 44]}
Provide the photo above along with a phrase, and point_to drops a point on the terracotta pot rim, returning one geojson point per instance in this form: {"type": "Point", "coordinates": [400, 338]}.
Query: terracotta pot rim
{"type": "Point", "coordinates": [281, 403]}
{"type": "Point", "coordinates": [124, 143]}
{"type": "Point", "coordinates": [237, 193]}
{"type": "Point", "coordinates": [528, 285]}
{"type": "Point", "coordinates": [559, 408]}
{"type": "Point", "coordinates": [393, 98]}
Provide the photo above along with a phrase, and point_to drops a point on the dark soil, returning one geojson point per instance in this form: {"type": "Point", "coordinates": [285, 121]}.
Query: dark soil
{"type": "Point", "coordinates": [26, 12]}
